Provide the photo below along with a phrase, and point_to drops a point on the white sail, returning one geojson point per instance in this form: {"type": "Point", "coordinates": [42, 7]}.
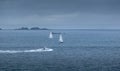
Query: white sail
{"type": "Point", "coordinates": [60, 39]}
{"type": "Point", "coordinates": [51, 35]}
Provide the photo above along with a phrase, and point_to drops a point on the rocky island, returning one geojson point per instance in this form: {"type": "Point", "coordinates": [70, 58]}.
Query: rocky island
{"type": "Point", "coordinates": [37, 28]}
{"type": "Point", "coordinates": [23, 28]}
{"type": "Point", "coordinates": [33, 28]}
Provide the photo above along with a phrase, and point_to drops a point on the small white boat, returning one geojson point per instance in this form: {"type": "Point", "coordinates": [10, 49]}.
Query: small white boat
{"type": "Point", "coordinates": [61, 38]}
{"type": "Point", "coordinates": [47, 49]}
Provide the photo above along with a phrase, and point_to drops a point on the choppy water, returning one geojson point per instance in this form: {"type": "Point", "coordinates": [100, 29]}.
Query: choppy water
{"type": "Point", "coordinates": [82, 50]}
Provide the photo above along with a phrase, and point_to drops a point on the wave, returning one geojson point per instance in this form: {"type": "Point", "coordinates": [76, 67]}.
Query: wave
{"type": "Point", "coordinates": [26, 51]}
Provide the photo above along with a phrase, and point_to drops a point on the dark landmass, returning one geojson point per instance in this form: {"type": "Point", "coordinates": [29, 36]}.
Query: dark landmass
{"type": "Point", "coordinates": [33, 28]}
{"type": "Point", "coordinates": [44, 29]}
{"type": "Point", "coordinates": [37, 28]}
{"type": "Point", "coordinates": [0, 28]}
{"type": "Point", "coordinates": [23, 28]}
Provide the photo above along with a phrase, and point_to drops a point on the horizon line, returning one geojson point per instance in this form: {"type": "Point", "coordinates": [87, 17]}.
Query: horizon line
{"type": "Point", "coordinates": [68, 29]}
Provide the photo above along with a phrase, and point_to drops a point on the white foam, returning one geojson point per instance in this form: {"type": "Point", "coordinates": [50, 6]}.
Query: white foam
{"type": "Point", "coordinates": [26, 51]}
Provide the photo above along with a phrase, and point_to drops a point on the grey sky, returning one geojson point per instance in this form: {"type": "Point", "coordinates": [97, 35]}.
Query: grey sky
{"type": "Point", "coordinates": [101, 14]}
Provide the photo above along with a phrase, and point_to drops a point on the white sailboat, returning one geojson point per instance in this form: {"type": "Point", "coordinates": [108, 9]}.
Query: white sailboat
{"type": "Point", "coordinates": [60, 38]}
{"type": "Point", "coordinates": [51, 35]}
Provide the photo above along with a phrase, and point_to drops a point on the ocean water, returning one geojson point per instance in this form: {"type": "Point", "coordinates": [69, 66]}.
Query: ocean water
{"type": "Point", "coordinates": [82, 50]}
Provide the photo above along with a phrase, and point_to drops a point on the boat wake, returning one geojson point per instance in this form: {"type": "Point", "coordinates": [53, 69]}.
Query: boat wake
{"type": "Point", "coordinates": [27, 51]}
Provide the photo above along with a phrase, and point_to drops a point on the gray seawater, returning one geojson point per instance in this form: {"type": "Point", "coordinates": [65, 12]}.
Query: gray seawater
{"type": "Point", "coordinates": [82, 50]}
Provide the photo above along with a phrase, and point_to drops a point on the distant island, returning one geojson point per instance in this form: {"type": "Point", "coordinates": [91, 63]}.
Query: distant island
{"type": "Point", "coordinates": [37, 28]}
{"type": "Point", "coordinates": [22, 28]}
{"type": "Point", "coordinates": [0, 28]}
{"type": "Point", "coordinates": [33, 28]}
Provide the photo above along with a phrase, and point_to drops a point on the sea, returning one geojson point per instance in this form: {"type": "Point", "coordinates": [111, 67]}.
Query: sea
{"type": "Point", "coordinates": [82, 50]}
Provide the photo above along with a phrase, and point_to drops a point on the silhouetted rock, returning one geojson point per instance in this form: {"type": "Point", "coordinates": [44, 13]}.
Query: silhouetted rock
{"type": "Point", "coordinates": [23, 28]}
{"type": "Point", "coordinates": [35, 28]}
{"type": "Point", "coordinates": [44, 29]}
{"type": "Point", "coordinates": [0, 28]}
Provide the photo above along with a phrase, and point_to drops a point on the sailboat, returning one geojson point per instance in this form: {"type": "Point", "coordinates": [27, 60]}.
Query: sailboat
{"type": "Point", "coordinates": [60, 38]}
{"type": "Point", "coordinates": [51, 35]}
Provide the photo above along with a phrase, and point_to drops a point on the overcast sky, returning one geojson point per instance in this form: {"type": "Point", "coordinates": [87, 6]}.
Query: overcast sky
{"type": "Point", "coordinates": [90, 14]}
